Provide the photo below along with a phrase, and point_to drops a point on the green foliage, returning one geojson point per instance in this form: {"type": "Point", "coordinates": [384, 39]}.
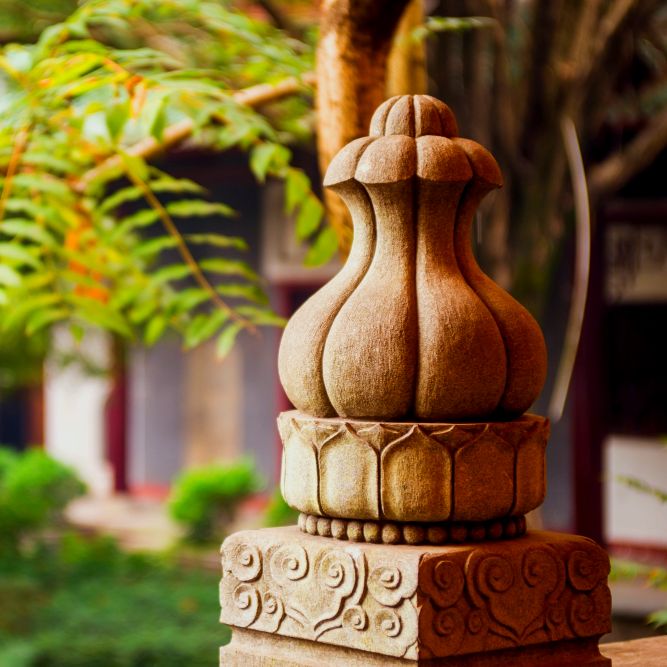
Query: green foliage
{"type": "Point", "coordinates": [309, 227]}
{"type": "Point", "coordinates": [643, 487]}
{"type": "Point", "coordinates": [21, 359]}
{"type": "Point", "coordinates": [278, 512]}
{"type": "Point", "coordinates": [77, 197]}
{"type": "Point", "coordinates": [655, 577]}
{"type": "Point", "coordinates": [34, 490]}
{"type": "Point", "coordinates": [24, 20]}
{"type": "Point", "coordinates": [204, 500]}
{"type": "Point", "coordinates": [436, 24]}
{"type": "Point", "coordinates": [81, 603]}
{"type": "Point", "coordinates": [323, 248]}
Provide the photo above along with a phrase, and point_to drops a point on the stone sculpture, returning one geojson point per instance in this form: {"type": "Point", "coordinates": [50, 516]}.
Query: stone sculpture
{"type": "Point", "coordinates": [411, 327]}
{"type": "Point", "coordinates": [409, 455]}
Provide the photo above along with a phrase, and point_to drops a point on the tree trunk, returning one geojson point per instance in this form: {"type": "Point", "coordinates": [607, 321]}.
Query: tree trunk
{"type": "Point", "coordinates": [355, 41]}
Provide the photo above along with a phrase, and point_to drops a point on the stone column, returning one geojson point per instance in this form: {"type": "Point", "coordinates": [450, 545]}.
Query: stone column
{"type": "Point", "coordinates": [410, 455]}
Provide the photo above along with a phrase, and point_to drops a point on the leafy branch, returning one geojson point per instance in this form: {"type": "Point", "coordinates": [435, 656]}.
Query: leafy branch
{"type": "Point", "coordinates": [15, 158]}
{"type": "Point", "coordinates": [150, 146]}
{"type": "Point", "coordinates": [654, 577]}
{"type": "Point", "coordinates": [639, 485]}
{"type": "Point", "coordinates": [184, 250]}
{"type": "Point", "coordinates": [79, 202]}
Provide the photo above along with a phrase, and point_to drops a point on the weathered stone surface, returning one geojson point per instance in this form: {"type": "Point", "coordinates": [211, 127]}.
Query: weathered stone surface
{"type": "Point", "coordinates": [526, 352]}
{"type": "Point", "coordinates": [250, 648]}
{"type": "Point", "coordinates": [412, 328]}
{"type": "Point", "coordinates": [417, 603]}
{"type": "Point", "coordinates": [650, 652]}
{"type": "Point", "coordinates": [410, 472]}
{"type": "Point", "coordinates": [302, 345]}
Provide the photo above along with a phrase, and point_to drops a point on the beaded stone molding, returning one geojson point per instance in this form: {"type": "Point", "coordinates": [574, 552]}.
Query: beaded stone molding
{"type": "Point", "coordinates": [408, 472]}
{"type": "Point", "coordinates": [389, 532]}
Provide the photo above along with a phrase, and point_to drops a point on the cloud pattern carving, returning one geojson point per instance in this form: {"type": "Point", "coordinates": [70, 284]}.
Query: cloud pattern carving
{"type": "Point", "coordinates": [466, 601]}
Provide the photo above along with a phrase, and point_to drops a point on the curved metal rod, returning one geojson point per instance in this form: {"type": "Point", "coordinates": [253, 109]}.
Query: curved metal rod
{"type": "Point", "coordinates": [582, 267]}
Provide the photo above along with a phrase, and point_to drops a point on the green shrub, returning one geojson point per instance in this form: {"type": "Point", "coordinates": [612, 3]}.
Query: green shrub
{"type": "Point", "coordinates": [20, 595]}
{"type": "Point", "coordinates": [205, 500]}
{"type": "Point", "coordinates": [86, 603]}
{"type": "Point", "coordinates": [34, 490]}
{"type": "Point", "coordinates": [278, 512]}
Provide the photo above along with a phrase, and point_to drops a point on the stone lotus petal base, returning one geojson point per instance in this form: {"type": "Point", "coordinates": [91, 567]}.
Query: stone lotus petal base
{"type": "Point", "coordinates": [409, 472]}
{"type": "Point", "coordinates": [308, 600]}
{"type": "Point", "coordinates": [392, 532]}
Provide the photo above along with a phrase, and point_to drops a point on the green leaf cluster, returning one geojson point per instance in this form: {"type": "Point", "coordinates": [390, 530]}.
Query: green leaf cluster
{"type": "Point", "coordinates": [111, 246]}
{"type": "Point", "coordinates": [301, 201]}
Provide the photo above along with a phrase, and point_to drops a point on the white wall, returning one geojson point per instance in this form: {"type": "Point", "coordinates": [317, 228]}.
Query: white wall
{"type": "Point", "coordinates": [630, 515]}
{"type": "Point", "coordinates": [74, 410]}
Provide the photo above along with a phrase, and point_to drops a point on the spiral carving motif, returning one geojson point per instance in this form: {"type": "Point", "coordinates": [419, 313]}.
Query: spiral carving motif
{"type": "Point", "coordinates": [582, 609]}
{"type": "Point", "coordinates": [384, 584]}
{"type": "Point", "coordinates": [449, 625]}
{"type": "Point", "coordinates": [477, 622]}
{"type": "Point", "coordinates": [448, 578]}
{"type": "Point", "coordinates": [588, 610]}
{"type": "Point", "coordinates": [449, 622]}
{"type": "Point", "coordinates": [540, 568]}
{"type": "Point", "coordinates": [246, 599]}
{"type": "Point", "coordinates": [355, 617]}
{"type": "Point", "coordinates": [585, 571]}
{"type": "Point", "coordinates": [390, 577]}
{"type": "Point", "coordinates": [388, 622]}
{"type": "Point", "coordinates": [273, 611]}
{"type": "Point", "coordinates": [270, 603]}
{"type": "Point", "coordinates": [244, 561]}
{"type": "Point", "coordinates": [495, 575]}
{"type": "Point", "coordinates": [289, 563]}
{"type": "Point", "coordinates": [335, 570]}
{"type": "Point", "coordinates": [443, 581]}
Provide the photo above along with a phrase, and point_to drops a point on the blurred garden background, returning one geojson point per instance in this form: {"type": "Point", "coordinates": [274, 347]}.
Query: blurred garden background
{"type": "Point", "coordinates": [161, 216]}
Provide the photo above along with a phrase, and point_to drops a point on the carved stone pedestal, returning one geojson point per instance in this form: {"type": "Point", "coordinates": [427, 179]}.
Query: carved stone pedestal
{"type": "Point", "coordinates": [297, 599]}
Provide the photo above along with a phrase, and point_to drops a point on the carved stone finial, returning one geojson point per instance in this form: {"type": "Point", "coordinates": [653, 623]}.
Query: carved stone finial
{"type": "Point", "coordinates": [411, 328]}
{"type": "Point", "coordinates": [411, 481]}
{"type": "Point", "coordinates": [414, 116]}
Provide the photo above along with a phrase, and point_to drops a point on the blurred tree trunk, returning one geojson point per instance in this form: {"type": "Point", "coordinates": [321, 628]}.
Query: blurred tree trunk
{"type": "Point", "coordinates": [356, 38]}
{"type": "Point", "coordinates": [406, 65]}
{"type": "Point", "coordinates": [511, 86]}
{"type": "Point", "coordinates": [566, 63]}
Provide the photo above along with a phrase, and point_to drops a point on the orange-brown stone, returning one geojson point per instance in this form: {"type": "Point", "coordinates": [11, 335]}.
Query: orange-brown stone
{"type": "Point", "coordinates": [411, 328]}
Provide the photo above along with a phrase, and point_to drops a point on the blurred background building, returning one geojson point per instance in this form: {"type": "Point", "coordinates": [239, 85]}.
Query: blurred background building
{"type": "Point", "coordinates": [132, 420]}
{"type": "Point", "coordinates": [164, 409]}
